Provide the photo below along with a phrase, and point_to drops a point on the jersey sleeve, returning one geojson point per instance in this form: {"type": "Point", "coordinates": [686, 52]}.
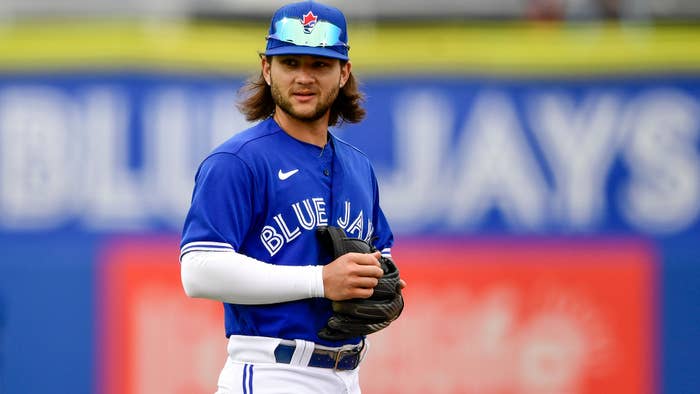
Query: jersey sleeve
{"type": "Point", "coordinates": [384, 238]}
{"type": "Point", "coordinates": [221, 209]}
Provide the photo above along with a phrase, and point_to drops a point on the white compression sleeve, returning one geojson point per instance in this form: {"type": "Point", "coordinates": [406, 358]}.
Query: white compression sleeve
{"type": "Point", "coordinates": [238, 279]}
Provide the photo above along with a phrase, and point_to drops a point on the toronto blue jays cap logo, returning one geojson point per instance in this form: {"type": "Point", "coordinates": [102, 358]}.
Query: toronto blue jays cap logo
{"type": "Point", "coordinates": [308, 28]}
{"type": "Point", "coordinates": [309, 21]}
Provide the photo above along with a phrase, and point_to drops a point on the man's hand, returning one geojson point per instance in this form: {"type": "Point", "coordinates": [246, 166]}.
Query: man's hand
{"type": "Point", "coordinates": [364, 286]}
{"type": "Point", "coordinates": [352, 275]}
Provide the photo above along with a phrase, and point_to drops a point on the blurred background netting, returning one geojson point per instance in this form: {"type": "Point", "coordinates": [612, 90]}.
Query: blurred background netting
{"type": "Point", "coordinates": [539, 162]}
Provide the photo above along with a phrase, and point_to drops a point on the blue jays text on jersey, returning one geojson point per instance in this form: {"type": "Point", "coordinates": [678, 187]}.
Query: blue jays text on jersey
{"type": "Point", "coordinates": [309, 214]}
{"type": "Point", "coordinates": [263, 193]}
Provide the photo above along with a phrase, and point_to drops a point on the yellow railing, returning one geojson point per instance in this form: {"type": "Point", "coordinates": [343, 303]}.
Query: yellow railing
{"type": "Point", "coordinates": [390, 48]}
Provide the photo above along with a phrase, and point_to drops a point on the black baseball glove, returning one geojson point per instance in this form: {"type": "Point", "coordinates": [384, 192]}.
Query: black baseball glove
{"type": "Point", "coordinates": [361, 316]}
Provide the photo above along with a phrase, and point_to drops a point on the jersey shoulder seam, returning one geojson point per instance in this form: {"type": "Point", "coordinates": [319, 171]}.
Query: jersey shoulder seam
{"type": "Point", "coordinates": [351, 146]}
{"type": "Point", "coordinates": [242, 144]}
{"type": "Point", "coordinates": [234, 152]}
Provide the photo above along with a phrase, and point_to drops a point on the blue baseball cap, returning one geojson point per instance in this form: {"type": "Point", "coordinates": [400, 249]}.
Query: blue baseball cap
{"type": "Point", "coordinates": [308, 28]}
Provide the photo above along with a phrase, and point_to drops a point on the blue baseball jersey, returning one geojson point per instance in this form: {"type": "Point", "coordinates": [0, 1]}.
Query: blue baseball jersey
{"type": "Point", "coordinates": [263, 193]}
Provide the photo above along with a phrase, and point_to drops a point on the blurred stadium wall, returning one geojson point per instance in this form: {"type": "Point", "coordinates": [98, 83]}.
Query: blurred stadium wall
{"type": "Point", "coordinates": [541, 171]}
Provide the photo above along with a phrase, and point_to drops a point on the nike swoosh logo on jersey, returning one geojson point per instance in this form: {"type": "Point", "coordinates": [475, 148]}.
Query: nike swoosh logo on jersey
{"type": "Point", "coordinates": [285, 175]}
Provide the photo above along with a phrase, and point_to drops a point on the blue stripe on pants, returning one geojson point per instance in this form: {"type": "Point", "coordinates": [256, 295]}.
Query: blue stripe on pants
{"type": "Point", "coordinates": [247, 378]}
{"type": "Point", "coordinates": [245, 372]}
{"type": "Point", "coordinates": [250, 379]}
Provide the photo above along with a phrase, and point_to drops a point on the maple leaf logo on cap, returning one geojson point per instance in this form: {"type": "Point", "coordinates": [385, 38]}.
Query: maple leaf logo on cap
{"type": "Point", "coordinates": [309, 21]}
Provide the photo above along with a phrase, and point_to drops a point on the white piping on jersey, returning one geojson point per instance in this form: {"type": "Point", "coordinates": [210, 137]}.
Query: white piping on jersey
{"type": "Point", "coordinates": [205, 246]}
{"type": "Point", "coordinates": [386, 252]}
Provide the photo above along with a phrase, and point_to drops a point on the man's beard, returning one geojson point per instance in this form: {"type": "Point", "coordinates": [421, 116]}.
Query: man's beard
{"type": "Point", "coordinates": [324, 103]}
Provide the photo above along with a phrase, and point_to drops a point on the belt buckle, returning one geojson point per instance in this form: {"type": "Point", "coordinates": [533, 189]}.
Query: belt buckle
{"type": "Point", "coordinates": [339, 355]}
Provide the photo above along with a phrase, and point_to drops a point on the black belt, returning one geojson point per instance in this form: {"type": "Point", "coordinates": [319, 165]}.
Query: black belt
{"type": "Point", "coordinates": [342, 359]}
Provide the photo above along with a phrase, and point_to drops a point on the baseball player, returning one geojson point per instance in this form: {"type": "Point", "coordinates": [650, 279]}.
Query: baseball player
{"type": "Point", "coordinates": [297, 311]}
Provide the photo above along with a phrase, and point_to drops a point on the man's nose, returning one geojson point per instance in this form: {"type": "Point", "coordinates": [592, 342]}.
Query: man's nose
{"type": "Point", "coordinates": [305, 75]}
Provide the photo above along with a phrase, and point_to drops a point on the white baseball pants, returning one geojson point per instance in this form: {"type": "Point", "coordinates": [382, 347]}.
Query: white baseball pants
{"type": "Point", "coordinates": [251, 368]}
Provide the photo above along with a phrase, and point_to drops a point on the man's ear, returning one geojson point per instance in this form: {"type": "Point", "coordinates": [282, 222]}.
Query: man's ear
{"type": "Point", "coordinates": [345, 73]}
{"type": "Point", "coordinates": [265, 64]}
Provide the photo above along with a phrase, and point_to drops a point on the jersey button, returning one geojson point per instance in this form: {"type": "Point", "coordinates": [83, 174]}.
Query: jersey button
{"type": "Point", "coordinates": [326, 172]}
